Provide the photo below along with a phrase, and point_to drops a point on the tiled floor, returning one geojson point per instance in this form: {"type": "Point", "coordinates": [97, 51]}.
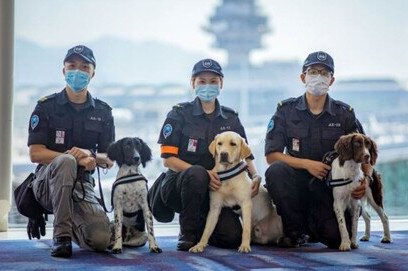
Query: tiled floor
{"type": "Point", "coordinates": [397, 224]}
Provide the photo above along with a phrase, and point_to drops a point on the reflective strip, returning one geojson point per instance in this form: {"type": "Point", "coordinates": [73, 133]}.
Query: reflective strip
{"type": "Point", "coordinates": [228, 174]}
{"type": "Point", "coordinates": [169, 149]}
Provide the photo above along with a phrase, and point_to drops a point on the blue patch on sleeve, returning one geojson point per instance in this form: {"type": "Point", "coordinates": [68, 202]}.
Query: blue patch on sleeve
{"type": "Point", "coordinates": [270, 126]}
{"type": "Point", "coordinates": [167, 130]}
{"type": "Point", "coordinates": [35, 120]}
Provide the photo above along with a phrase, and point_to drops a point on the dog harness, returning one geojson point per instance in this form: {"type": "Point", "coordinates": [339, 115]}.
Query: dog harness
{"type": "Point", "coordinates": [124, 180]}
{"type": "Point", "coordinates": [228, 174]}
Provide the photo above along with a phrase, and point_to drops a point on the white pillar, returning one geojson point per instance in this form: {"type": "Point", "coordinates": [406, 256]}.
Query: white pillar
{"type": "Point", "coordinates": [6, 106]}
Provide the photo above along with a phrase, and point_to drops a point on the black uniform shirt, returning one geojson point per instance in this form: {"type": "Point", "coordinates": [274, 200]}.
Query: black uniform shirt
{"type": "Point", "coordinates": [56, 124]}
{"type": "Point", "coordinates": [188, 131]}
{"type": "Point", "coordinates": [295, 129]}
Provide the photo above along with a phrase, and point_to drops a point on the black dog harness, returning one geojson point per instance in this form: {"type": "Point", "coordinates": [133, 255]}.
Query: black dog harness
{"type": "Point", "coordinates": [228, 174]}
{"type": "Point", "coordinates": [124, 180]}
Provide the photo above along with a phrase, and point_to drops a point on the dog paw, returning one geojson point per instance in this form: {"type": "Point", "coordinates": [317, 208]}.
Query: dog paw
{"type": "Point", "coordinates": [354, 245]}
{"type": "Point", "coordinates": [365, 238]}
{"type": "Point", "coordinates": [116, 250]}
{"type": "Point", "coordinates": [386, 240]}
{"type": "Point", "coordinates": [155, 249]}
{"type": "Point", "coordinates": [197, 248]}
{"type": "Point", "coordinates": [344, 247]}
{"type": "Point", "coordinates": [244, 248]}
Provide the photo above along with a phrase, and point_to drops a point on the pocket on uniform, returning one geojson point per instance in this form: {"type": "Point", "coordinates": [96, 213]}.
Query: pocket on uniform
{"type": "Point", "coordinates": [330, 137]}
{"type": "Point", "coordinates": [194, 140]}
{"type": "Point", "coordinates": [296, 139]}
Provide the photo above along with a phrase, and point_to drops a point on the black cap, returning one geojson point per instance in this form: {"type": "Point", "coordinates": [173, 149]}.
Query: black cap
{"type": "Point", "coordinates": [207, 65]}
{"type": "Point", "coordinates": [319, 57]}
{"type": "Point", "coordinates": [83, 52]}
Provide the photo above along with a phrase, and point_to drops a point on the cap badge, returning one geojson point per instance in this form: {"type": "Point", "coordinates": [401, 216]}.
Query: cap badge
{"type": "Point", "coordinates": [321, 56]}
{"type": "Point", "coordinates": [78, 49]}
{"type": "Point", "coordinates": [207, 63]}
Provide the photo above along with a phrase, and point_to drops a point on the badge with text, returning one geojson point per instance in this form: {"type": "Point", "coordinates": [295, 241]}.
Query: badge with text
{"type": "Point", "coordinates": [59, 137]}
{"type": "Point", "coordinates": [192, 145]}
{"type": "Point", "coordinates": [296, 144]}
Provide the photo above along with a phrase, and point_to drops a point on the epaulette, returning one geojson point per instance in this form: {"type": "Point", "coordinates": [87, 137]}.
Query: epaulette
{"type": "Point", "coordinates": [180, 105]}
{"type": "Point", "coordinates": [229, 109]}
{"type": "Point", "coordinates": [344, 105]}
{"type": "Point", "coordinates": [45, 98]}
{"type": "Point", "coordinates": [290, 100]}
{"type": "Point", "coordinates": [102, 103]}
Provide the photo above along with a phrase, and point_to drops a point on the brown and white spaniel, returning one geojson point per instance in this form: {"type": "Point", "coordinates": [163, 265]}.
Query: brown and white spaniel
{"type": "Point", "coordinates": [355, 150]}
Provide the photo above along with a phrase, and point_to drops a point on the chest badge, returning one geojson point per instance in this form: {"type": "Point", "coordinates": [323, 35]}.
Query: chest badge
{"type": "Point", "coordinates": [296, 144]}
{"type": "Point", "coordinates": [192, 145]}
{"type": "Point", "coordinates": [59, 137]}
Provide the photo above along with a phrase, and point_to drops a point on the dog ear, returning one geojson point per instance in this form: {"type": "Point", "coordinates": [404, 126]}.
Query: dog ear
{"type": "Point", "coordinates": [115, 152]}
{"type": "Point", "coordinates": [373, 151]}
{"type": "Point", "coordinates": [211, 148]}
{"type": "Point", "coordinates": [245, 150]}
{"type": "Point", "coordinates": [145, 152]}
{"type": "Point", "coordinates": [344, 147]}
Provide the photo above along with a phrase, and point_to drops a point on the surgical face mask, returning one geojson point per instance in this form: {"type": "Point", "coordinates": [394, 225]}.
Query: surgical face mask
{"type": "Point", "coordinates": [208, 92]}
{"type": "Point", "coordinates": [317, 85]}
{"type": "Point", "coordinates": [77, 80]}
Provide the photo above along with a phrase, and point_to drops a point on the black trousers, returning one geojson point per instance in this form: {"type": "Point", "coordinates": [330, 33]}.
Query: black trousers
{"type": "Point", "coordinates": [187, 194]}
{"type": "Point", "coordinates": [305, 207]}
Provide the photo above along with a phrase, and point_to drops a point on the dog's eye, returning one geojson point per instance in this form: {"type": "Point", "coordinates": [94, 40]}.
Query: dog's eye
{"type": "Point", "coordinates": [219, 144]}
{"type": "Point", "coordinates": [233, 144]}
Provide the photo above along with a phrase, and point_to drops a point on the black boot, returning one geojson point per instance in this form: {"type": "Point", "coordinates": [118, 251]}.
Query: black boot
{"type": "Point", "coordinates": [186, 241]}
{"type": "Point", "coordinates": [61, 247]}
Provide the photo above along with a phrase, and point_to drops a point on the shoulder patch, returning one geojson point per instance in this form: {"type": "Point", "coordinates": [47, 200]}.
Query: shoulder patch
{"type": "Point", "coordinates": [287, 101]}
{"type": "Point", "coordinates": [167, 130]}
{"type": "Point", "coordinates": [228, 109]}
{"type": "Point", "coordinates": [271, 124]}
{"type": "Point", "coordinates": [43, 99]}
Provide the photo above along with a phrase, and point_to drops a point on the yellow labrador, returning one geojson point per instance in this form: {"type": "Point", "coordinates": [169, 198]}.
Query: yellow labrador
{"type": "Point", "coordinates": [229, 149]}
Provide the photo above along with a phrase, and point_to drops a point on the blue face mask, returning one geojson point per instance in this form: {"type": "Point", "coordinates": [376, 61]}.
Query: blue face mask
{"type": "Point", "coordinates": [207, 93]}
{"type": "Point", "coordinates": [77, 80]}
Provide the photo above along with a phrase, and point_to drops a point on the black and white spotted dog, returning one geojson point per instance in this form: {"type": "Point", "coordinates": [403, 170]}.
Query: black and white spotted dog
{"type": "Point", "coordinates": [129, 192]}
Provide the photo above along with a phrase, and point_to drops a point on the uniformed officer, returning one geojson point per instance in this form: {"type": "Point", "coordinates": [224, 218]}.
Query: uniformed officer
{"type": "Point", "coordinates": [300, 132]}
{"type": "Point", "coordinates": [185, 136]}
{"type": "Point", "coordinates": [69, 133]}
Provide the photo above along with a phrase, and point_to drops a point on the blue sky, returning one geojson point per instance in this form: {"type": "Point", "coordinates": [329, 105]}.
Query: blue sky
{"type": "Point", "coordinates": [366, 37]}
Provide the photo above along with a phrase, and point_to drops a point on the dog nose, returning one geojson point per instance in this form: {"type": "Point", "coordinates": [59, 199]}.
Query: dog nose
{"type": "Point", "coordinates": [224, 157]}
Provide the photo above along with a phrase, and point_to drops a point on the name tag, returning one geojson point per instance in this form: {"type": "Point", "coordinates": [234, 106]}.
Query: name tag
{"type": "Point", "coordinates": [296, 144]}
{"type": "Point", "coordinates": [192, 145]}
{"type": "Point", "coordinates": [59, 137]}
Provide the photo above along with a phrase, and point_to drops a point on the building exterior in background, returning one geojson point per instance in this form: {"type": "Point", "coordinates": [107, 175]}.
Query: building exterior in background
{"type": "Point", "coordinates": [254, 91]}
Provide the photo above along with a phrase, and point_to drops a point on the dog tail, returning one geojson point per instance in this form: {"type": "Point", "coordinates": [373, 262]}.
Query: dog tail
{"type": "Point", "coordinates": [377, 188]}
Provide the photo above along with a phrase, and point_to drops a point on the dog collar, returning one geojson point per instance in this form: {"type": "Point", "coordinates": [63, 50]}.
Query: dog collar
{"type": "Point", "coordinates": [339, 182]}
{"type": "Point", "coordinates": [123, 180]}
{"type": "Point", "coordinates": [228, 174]}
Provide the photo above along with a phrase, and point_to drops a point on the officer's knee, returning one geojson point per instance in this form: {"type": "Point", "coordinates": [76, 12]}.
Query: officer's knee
{"type": "Point", "coordinates": [276, 171]}
{"type": "Point", "coordinates": [196, 178]}
{"type": "Point", "coordinates": [65, 162]}
{"type": "Point", "coordinates": [98, 236]}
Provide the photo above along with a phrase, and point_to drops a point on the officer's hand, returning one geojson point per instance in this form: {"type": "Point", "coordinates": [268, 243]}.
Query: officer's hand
{"type": "Point", "coordinates": [359, 192]}
{"type": "Point", "coordinates": [78, 153]}
{"type": "Point", "coordinates": [256, 181]}
{"type": "Point", "coordinates": [215, 182]}
{"type": "Point", "coordinates": [317, 169]}
{"type": "Point", "coordinates": [36, 227]}
{"type": "Point", "coordinates": [89, 163]}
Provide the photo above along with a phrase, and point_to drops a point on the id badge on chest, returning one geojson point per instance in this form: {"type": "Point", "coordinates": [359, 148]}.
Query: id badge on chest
{"type": "Point", "coordinates": [60, 137]}
{"type": "Point", "coordinates": [192, 145]}
{"type": "Point", "coordinates": [295, 144]}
